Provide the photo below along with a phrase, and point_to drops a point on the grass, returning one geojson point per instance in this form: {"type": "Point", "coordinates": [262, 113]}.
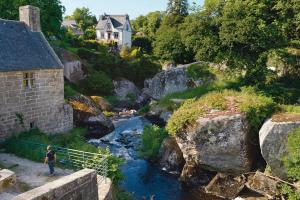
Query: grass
{"type": "Point", "coordinates": [256, 107]}
{"type": "Point", "coordinates": [197, 92]}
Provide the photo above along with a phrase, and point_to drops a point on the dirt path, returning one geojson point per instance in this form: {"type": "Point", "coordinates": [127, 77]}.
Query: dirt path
{"type": "Point", "coordinates": [29, 174]}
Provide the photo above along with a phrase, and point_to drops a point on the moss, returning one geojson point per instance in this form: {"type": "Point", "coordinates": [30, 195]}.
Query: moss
{"type": "Point", "coordinates": [292, 159]}
{"type": "Point", "coordinates": [256, 107]}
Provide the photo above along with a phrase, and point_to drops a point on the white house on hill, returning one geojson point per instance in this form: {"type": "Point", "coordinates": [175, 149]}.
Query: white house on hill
{"type": "Point", "coordinates": [114, 28]}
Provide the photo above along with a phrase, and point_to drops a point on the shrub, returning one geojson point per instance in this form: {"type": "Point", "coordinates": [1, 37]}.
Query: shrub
{"type": "Point", "coordinates": [113, 162]}
{"type": "Point", "coordinates": [152, 138]}
{"type": "Point", "coordinates": [256, 107]}
{"type": "Point", "coordinates": [197, 71]}
{"type": "Point", "coordinates": [69, 91]}
{"type": "Point", "coordinates": [145, 109]}
{"type": "Point", "coordinates": [144, 43]}
{"type": "Point", "coordinates": [98, 83]}
{"type": "Point", "coordinates": [289, 193]}
{"type": "Point", "coordinates": [292, 159]}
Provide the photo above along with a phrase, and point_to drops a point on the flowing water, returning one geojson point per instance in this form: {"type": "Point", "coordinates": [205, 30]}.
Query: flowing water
{"type": "Point", "coordinates": [142, 178]}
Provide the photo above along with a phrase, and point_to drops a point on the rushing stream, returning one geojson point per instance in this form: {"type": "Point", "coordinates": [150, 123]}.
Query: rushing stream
{"type": "Point", "coordinates": [141, 178]}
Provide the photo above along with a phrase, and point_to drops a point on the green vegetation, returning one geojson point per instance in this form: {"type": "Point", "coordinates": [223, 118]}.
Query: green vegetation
{"type": "Point", "coordinates": [256, 107]}
{"type": "Point", "coordinates": [113, 164]}
{"type": "Point", "coordinates": [121, 194]}
{"type": "Point", "coordinates": [197, 71]}
{"type": "Point", "coordinates": [73, 140]}
{"type": "Point", "coordinates": [51, 13]}
{"type": "Point", "coordinates": [144, 109]}
{"type": "Point", "coordinates": [69, 91]}
{"type": "Point", "coordinates": [292, 159]}
{"type": "Point", "coordinates": [97, 83]}
{"type": "Point", "coordinates": [289, 193]}
{"type": "Point", "coordinates": [197, 92]}
{"type": "Point", "coordinates": [152, 138]}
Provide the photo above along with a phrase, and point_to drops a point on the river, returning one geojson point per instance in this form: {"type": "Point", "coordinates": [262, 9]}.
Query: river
{"type": "Point", "coordinates": [142, 178]}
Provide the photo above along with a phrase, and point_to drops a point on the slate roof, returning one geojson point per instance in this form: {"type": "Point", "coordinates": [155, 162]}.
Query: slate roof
{"type": "Point", "coordinates": [22, 49]}
{"type": "Point", "coordinates": [118, 21]}
{"type": "Point", "coordinates": [69, 23]}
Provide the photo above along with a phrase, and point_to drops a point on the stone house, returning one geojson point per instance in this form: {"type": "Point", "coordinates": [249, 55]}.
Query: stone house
{"type": "Point", "coordinates": [114, 28]}
{"type": "Point", "coordinates": [31, 79]}
{"type": "Point", "coordinates": [72, 26]}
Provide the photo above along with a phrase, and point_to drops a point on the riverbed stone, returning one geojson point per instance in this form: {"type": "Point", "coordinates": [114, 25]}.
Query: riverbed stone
{"type": "Point", "coordinates": [272, 138]}
{"type": "Point", "coordinates": [263, 184]}
{"type": "Point", "coordinates": [211, 142]}
{"type": "Point", "coordinates": [226, 186]}
{"type": "Point", "coordinates": [171, 157]}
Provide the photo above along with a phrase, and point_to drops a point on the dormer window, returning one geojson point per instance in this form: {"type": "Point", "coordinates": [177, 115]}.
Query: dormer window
{"type": "Point", "coordinates": [108, 26]}
{"type": "Point", "coordinates": [127, 27]}
{"type": "Point", "coordinates": [28, 80]}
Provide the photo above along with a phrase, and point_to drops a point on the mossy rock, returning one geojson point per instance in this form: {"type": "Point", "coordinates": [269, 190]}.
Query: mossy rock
{"type": "Point", "coordinates": [256, 108]}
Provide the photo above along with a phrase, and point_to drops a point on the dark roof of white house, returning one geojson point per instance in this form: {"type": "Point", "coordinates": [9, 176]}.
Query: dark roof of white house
{"type": "Point", "coordinates": [118, 21]}
{"type": "Point", "coordinates": [22, 49]}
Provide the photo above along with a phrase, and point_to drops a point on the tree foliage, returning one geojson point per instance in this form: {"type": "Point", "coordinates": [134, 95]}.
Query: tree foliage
{"type": "Point", "coordinates": [51, 12]}
{"type": "Point", "coordinates": [178, 7]}
{"type": "Point", "coordinates": [84, 18]}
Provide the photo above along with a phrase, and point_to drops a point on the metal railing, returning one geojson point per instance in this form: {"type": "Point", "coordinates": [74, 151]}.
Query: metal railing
{"type": "Point", "coordinates": [70, 158]}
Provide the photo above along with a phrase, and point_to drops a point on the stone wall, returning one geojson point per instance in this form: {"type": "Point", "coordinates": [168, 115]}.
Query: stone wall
{"type": "Point", "coordinates": [41, 106]}
{"type": "Point", "coordinates": [81, 185]}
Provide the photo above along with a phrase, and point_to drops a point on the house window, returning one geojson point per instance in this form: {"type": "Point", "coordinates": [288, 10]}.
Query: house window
{"type": "Point", "coordinates": [102, 35]}
{"type": "Point", "coordinates": [127, 27]}
{"type": "Point", "coordinates": [116, 35]}
{"type": "Point", "coordinates": [108, 35]}
{"type": "Point", "coordinates": [28, 80]}
{"type": "Point", "coordinates": [108, 26]}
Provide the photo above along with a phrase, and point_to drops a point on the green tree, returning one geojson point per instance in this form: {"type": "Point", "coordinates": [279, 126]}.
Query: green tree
{"type": "Point", "coordinates": [51, 13]}
{"type": "Point", "coordinates": [84, 18]}
{"type": "Point", "coordinates": [178, 7]}
{"type": "Point", "coordinates": [169, 47]}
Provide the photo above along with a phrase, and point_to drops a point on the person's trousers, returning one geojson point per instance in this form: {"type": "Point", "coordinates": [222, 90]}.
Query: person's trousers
{"type": "Point", "coordinates": [51, 166]}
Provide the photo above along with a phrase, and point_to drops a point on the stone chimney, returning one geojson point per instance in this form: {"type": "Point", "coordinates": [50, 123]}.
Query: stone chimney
{"type": "Point", "coordinates": [31, 16]}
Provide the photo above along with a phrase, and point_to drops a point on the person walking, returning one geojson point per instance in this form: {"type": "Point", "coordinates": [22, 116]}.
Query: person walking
{"type": "Point", "coordinates": [50, 159]}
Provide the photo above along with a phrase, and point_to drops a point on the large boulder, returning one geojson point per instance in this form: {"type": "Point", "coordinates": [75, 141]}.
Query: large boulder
{"type": "Point", "coordinates": [166, 82]}
{"type": "Point", "coordinates": [173, 79]}
{"type": "Point", "coordinates": [272, 137]}
{"type": "Point", "coordinates": [125, 89]}
{"type": "Point", "coordinates": [87, 114]}
{"type": "Point", "coordinates": [171, 157]}
{"type": "Point", "coordinates": [218, 142]}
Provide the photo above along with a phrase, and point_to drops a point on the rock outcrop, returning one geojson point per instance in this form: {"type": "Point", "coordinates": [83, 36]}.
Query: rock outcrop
{"type": "Point", "coordinates": [218, 142]}
{"type": "Point", "coordinates": [73, 71]}
{"type": "Point", "coordinates": [171, 157]}
{"type": "Point", "coordinates": [166, 82]}
{"type": "Point", "coordinates": [171, 79]}
{"type": "Point", "coordinates": [157, 114]}
{"type": "Point", "coordinates": [125, 89]}
{"type": "Point", "coordinates": [102, 103]}
{"type": "Point", "coordinates": [272, 137]}
{"type": "Point", "coordinates": [73, 68]}
{"type": "Point", "coordinates": [88, 114]}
